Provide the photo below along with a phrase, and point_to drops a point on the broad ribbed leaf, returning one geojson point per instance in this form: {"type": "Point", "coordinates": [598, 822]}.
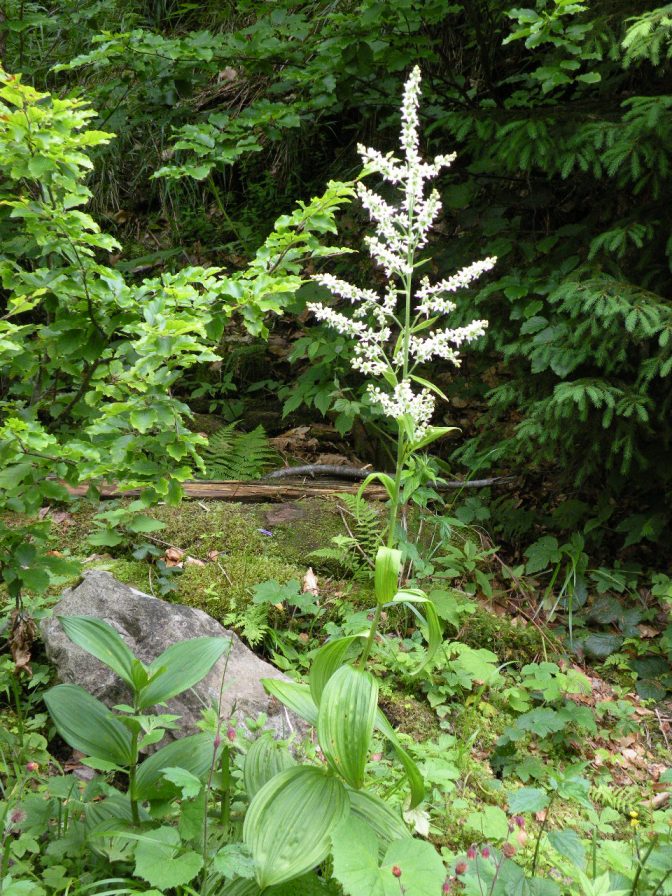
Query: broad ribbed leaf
{"type": "Point", "coordinates": [194, 754]}
{"type": "Point", "coordinates": [180, 667]}
{"type": "Point", "coordinates": [294, 696]}
{"type": "Point", "coordinates": [430, 619]}
{"type": "Point", "coordinates": [289, 822]}
{"type": "Point", "coordinates": [387, 824]}
{"type": "Point", "coordinates": [415, 779]}
{"type": "Point", "coordinates": [88, 725]}
{"type": "Point", "coordinates": [327, 660]}
{"type": "Point", "coordinates": [345, 722]}
{"type": "Point", "coordinates": [102, 641]}
{"type": "Point", "coordinates": [386, 575]}
{"type": "Point", "coordinates": [265, 759]}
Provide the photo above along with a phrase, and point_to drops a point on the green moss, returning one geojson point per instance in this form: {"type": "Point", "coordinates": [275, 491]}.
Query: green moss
{"type": "Point", "coordinates": [319, 523]}
{"type": "Point", "coordinates": [199, 528]}
{"type": "Point", "coordinates": [226, 587]}
{"type": "Point", "coordinates": [517, 643]}
{"type": "Point", "coordinates": [408, 714]}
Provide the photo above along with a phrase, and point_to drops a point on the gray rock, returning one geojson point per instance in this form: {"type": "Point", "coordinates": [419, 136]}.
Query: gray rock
{"type": "Point", "coordinates": [148, 626]}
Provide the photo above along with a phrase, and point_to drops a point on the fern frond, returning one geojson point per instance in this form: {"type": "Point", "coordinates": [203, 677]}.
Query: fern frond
{"type": "Point", "coordinates": [231, 454]}
{"type": "Point", "coordinates": [251, 623]}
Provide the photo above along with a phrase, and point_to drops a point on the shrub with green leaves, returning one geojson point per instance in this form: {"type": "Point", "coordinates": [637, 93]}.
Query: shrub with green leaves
{"type": "Point", "coordinates": [90, 361]}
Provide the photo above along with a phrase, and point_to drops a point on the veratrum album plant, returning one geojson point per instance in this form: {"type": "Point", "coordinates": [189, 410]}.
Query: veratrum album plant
{"type": "Point", "coordinates": [303, 814]}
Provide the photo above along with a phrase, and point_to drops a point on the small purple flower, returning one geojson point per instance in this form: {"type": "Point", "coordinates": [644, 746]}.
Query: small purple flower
{"type": "Point", "coordinates": [266, 532]}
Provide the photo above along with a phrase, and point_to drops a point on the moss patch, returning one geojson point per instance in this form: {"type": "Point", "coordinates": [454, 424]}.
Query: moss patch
{"type": "Point", "coordinates": [517, 643]}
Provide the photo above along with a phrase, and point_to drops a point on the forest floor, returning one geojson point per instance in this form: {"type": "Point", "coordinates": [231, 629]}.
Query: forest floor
{"type": "Point", "coordinates": [505, 704]}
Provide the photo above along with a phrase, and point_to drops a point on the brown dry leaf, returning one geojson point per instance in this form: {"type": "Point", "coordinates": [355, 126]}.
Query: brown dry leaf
{"type": "Point", "coordinates": [656, 770]}
{"type": "Point", "coordinates": [296, 439]}
{"type": "Point", "coordinates": [174, 554]}
{"type": "Point", "coordinates": [22, 633]}
{"type": "Point", "coordinates": [74, 767]}
{"type": "Point", "coordinates": [309, 584]}
{"type": "Point", "coordinates": [193, 561]}
{"type": "Point", "coordinates": [334, 460]}
{"type": "Point", "coordinates": [174, 557]}
{"type": "Point", "coordinates": [213, 555]}
{"type": "Point", "coordinates": [647, 631]}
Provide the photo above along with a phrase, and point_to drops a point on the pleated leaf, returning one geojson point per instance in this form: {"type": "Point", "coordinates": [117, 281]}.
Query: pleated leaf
{"type": "Point", "coordinates": [327, 660]}
{"type": "Point", "coordinates": [387, 824]}
{"type": "Point", "coordinates": [430, 620]}
{"type": "Point", "coordinates": [194, 753]}
{"type": "Point", "coordinates": [386, 574]}
{"type": "Point", "coordinates": [102, 641]}
{"type": "Point", "coordinates": [180, 667]}
{"type": "Point", "coordinates": [289, 822]}
{"type": "Point", "coordinates": [294, 696]}
{"type": "Point", "coordinates": [415, 779]}
{"type": "Point", "coordinates": [265, 759]}
{"type": "Point", "coordinates": [345, 722]}
{"type": "Point", "coordinates": [88, 725]}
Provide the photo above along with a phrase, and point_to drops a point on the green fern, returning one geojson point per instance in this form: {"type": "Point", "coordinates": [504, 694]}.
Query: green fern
{"type": "Point", "coordinates": [251, 623]}
{"type": "Point", "coordinates": [354, 554]}
{"type": "Point", "coordinates": [626, 800]}
{"type": "Point", "coordinates": [231, 454]}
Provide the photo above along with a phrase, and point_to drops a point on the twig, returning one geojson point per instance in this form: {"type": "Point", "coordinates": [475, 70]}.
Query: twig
{"type": "Point", "coordinates": [357, 474]}
{"type": "Point", "coordinates": [661, 725]}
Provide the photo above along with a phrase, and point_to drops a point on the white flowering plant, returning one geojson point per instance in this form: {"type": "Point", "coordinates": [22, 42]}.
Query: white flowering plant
{"type": "Point", "coordinates": [396, 333]}
{"type": "Point", "coordinates": [402, 329]}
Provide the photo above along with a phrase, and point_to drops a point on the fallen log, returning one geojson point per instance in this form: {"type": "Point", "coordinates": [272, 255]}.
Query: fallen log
{"type": "Point", "coordinates": [230, 490]}
{"type": "Point", "coordinates": [263, 490]}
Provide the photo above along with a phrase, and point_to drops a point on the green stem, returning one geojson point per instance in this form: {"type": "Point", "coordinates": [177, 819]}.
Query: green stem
{"type": "Point", "coordinates": [223, 212]}
{"type": "Point", "coordinates": [131, 778]}
{"type": "Point", "coordinates": [660, 885]}
{"type": "Point", "coordinates": [395, 500]}
{"type": "Point", "coordinates": [19, 713]}
{"type": "Point", "coordinates": [535, 859]}
{"type": "Point", "coordinates": [225, 808]}
{"type": "Point", "coordinates": [372, 635]}
{"type": "Point", "coordinates": [640, 867]}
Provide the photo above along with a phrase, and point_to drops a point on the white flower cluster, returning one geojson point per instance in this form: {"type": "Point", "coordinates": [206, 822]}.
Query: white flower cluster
{"type": "Point", "coordinates": [399, 232]}
{"type": "Point", "coordinates": [430, 297]}
{"type": "Point", "coordinates": [402, 401]}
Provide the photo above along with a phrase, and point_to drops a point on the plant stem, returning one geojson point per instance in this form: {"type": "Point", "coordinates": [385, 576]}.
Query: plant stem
{"type": "Point", "coordinates": [640, 867]}
{"type": "Point", "coordinates": [19, 713]}
{"type": "Point", "coordinates": [372, 635]}
{"type": "Point", "coordinates": [541, 834]}
{"type": "Point", "coordinates": [135, 814]}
